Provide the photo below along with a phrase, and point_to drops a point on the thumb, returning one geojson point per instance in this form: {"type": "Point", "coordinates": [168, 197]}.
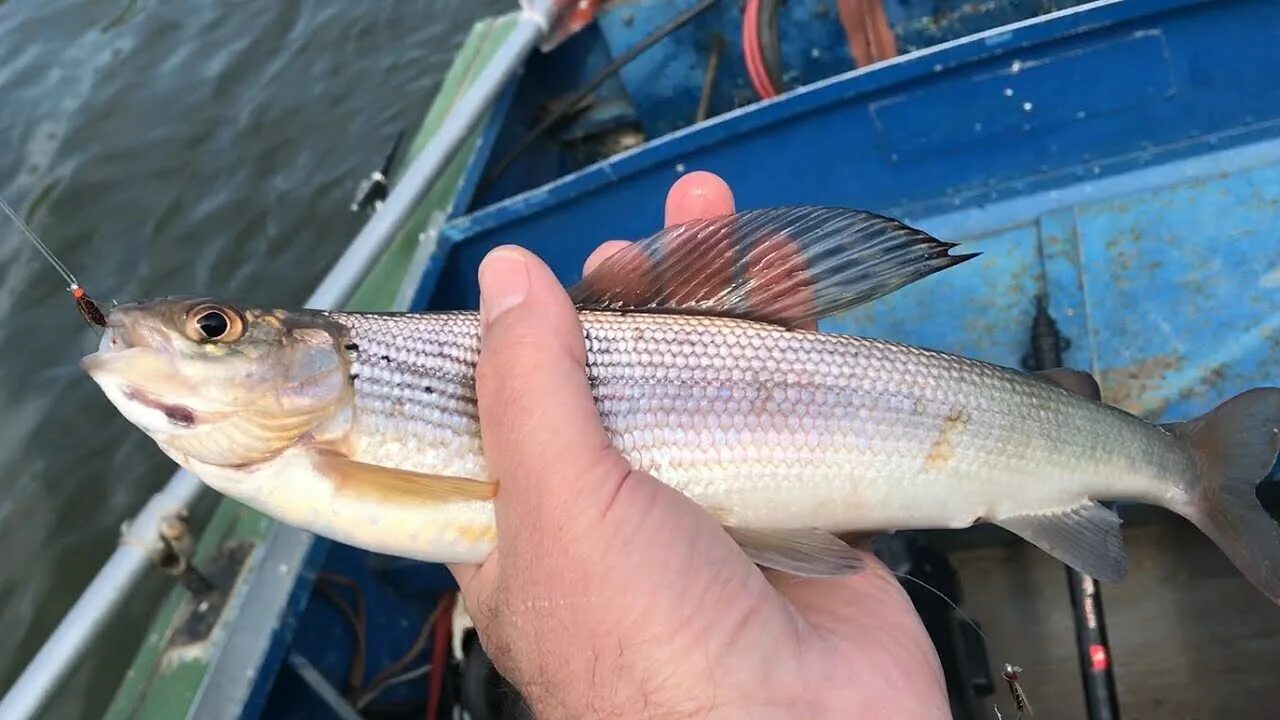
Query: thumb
{"type": "Point", "coordinates": [562, 483]}
{"type": "Point", "coordinates": [543, 440]}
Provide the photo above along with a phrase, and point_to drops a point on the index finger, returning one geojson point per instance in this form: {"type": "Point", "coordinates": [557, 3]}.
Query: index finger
{"type": "Point", "coordinates": [695, 196]}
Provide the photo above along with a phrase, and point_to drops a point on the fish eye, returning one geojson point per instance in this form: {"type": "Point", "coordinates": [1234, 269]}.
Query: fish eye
{"type": "Point", "coordinates": [213, 323]}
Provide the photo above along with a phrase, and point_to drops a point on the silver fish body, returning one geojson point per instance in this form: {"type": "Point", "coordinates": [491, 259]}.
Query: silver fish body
{"type": "Point", "coordinates": [781, 428]}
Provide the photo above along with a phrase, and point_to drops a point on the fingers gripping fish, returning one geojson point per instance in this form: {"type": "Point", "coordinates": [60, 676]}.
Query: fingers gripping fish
{"type": "Point", "coordinates": [363, 427]}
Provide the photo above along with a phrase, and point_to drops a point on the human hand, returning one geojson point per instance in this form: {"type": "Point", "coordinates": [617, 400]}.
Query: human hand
{"type": "Point", "coordinates": [611, 594]}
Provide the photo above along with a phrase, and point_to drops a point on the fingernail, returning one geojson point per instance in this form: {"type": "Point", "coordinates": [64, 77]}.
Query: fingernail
{"type": "Point", "coordinates": [504, 282]}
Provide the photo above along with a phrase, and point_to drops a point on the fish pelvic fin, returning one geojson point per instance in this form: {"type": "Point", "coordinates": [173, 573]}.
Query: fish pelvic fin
{"type": "Point", "coordinates": [807, 552]}
{"type": "Point", "coordinates": [788, 266]}
{"type": "Point", "coordinates": [1085, 537]}
{"type": "Point", "coordinates": [1235, 445]}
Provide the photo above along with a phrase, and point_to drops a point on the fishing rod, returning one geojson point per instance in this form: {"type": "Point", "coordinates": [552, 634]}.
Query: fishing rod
{"type": "Point", "coordinates": [1092, 648]}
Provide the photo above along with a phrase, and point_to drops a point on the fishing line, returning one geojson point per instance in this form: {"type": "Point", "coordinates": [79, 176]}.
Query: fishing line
{"type": "Point", "coordinates": [84, 304]}
{"type": "Point", "coordinates": [945, 599]}
{"type": "Point", "coordinates": [44, 249]}
{"type": "Point", "coordinates": [1011, 672]}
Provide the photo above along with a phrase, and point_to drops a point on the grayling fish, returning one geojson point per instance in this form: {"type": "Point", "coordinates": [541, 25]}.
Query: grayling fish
{"type": "Point", "coordinates": [363, 427]}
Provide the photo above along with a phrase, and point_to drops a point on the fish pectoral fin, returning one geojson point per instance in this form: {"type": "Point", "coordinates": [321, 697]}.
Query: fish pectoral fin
{"type": "Point", "coordinates": [807, 552]}
{"type": "Point", "coordinates": [351, 477]}
{"type": "Point", "coordinates": [1076, 381]}
{"type": "Point", "coordinates": [1086, 537]}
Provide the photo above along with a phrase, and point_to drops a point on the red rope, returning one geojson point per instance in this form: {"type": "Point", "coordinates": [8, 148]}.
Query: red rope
{"type": "Point", "coordinates": [751, 51]}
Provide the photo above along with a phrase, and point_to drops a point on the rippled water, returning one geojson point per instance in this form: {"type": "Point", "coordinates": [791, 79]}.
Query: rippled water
{"type": "Point", "coordinates": [164, 146]}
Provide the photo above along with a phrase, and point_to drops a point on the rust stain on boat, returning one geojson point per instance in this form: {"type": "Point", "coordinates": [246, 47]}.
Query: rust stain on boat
{"type": "Point", "coordinates": [1130, 387]}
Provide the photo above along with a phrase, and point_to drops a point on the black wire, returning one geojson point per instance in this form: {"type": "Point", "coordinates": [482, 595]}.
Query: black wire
{"type": "Point", "coordinates": [767, 34]}
{"type": "Point", "coordinates": [576, 99]}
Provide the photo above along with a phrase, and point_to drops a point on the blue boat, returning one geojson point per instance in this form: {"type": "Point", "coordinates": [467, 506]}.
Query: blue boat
{"type": "Point", "coordinates": [1119, 160]}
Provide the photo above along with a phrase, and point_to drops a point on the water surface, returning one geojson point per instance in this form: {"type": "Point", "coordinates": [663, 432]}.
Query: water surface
{"type": "Point", "coordinates": [166, 147]}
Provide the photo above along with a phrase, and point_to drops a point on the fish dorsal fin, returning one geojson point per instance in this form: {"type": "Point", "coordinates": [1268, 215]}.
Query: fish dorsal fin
{"type": "Point", "coordinates": [789, 265]}
{"type": "Point", "coordinates": [1077, 381]}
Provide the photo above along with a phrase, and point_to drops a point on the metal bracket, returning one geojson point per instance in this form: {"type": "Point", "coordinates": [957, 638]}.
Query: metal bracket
{"type": "Point", "coordinates": [173, 556]}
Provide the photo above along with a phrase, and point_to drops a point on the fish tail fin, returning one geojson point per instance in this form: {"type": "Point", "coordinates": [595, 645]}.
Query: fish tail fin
{"type": "Point", "coordinates": [1235, 445]}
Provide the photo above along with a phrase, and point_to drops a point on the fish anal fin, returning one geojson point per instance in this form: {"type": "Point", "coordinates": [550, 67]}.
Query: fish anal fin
{"type": "Point", "coordinates": [806, 552]}
{"type": "Point", "coordinates": [1086, 537]}
{"type": "Point", "coordinates": [354, 478]}
{"type": "Point", "coordinates": [789, 266]}
{"type": "Point", "coordinates": [1076, 381]}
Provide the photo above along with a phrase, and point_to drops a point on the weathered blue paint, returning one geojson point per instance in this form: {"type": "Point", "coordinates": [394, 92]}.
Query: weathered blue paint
{"type": "Point", "coordinates": [1056, 147]}
{"type": "Point", "coordinates": [982, 308]}
{"type": "Point", "coordinates": [1023, 97]}
{"type": "Point", "coordinates": [666, 83]}
{"type": "Point", "coordinates": [658, 92]}
{"type": "Point", "coordinates": [1166, 292]}
{"type": "Point", "coordinates": [824, 141]}
{"type": "Point", "coordinates": [1181, 290]}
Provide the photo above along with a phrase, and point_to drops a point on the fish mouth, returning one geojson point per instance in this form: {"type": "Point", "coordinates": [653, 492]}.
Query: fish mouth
{"type": "Point", "coordinates": [118, 355]}
{"type": "Point", "coordinates": [114, 357]}
{"type": "Point", "coordinates": [125, 332]}
{"type": "Point", "coordinates": [137, 379]}
{"type": "Point", "coordinates": [94, 361]}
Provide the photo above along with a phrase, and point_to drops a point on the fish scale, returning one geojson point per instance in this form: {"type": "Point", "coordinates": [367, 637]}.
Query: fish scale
{"type": "Point", "coordinates": [415, 406]}
{"type": "Point", "coordinates": [769, 425]}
